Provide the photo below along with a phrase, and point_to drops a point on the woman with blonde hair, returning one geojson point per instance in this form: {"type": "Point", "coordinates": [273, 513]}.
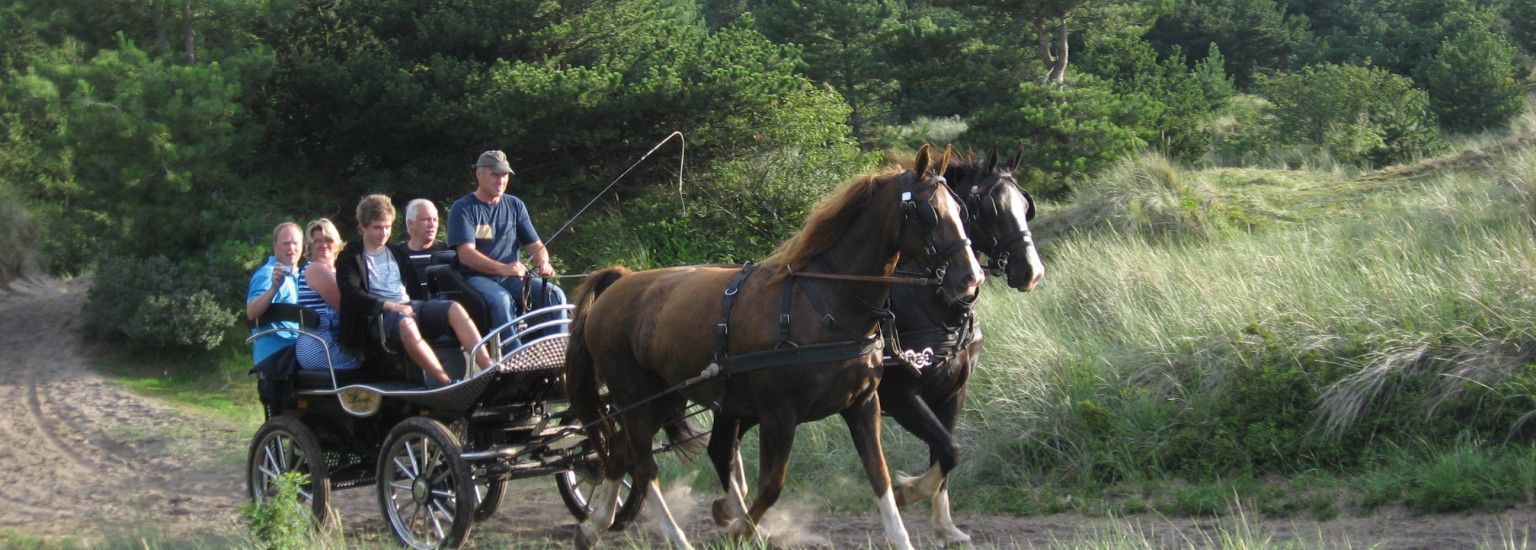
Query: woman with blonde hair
{"type": "Point", "coordinates": [318, 292]}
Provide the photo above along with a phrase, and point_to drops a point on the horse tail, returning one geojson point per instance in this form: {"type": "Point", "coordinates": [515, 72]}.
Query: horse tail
{"type": "Point", "coordinates": [580, 373]}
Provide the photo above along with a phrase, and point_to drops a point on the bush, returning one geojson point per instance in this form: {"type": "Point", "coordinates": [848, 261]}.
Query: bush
{"type": "Point", "coordinates": [1065, 133]}
{"type": "Point", "coordinates": [1471, 80]}
{"type": "Point", "coordinates": [282, 522]}
{"type": "Point", "coordinates": [1362, 115]}
{"type": "Point", "coordinates": [152, 303]}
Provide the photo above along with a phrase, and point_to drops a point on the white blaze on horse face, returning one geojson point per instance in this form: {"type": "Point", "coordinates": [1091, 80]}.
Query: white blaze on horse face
{"type": "Point", "coordinates": [890, 518]}
{"type": "Point", "coordinates": [967, 266]}
{"type": "Point", "coordinates": [1018, 208]}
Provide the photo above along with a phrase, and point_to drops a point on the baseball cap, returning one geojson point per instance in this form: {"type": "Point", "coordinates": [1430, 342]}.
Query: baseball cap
{"type": "Point", "coordinates": [496, 161]}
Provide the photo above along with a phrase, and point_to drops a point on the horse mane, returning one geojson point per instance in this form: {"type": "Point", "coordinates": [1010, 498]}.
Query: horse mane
{"type": "Point", "coordinates": [827, 223]}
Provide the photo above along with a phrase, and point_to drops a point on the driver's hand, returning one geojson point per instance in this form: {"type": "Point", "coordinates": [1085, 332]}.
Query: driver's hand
{"type": "Point", "coordinates": [518, 269]}
{"type": "Point", "coordinates": [546, 270]}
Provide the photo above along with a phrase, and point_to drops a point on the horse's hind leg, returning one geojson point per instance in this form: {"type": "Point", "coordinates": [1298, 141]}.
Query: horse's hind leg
{"type": "Point", "coordinates": [776, 438]}
{"type": "Point", "coordinates": [725, 455]}
{"type": "Point", "coordinates": [646, 421]}
{"type": "Point", "coordinates": [863, 421]}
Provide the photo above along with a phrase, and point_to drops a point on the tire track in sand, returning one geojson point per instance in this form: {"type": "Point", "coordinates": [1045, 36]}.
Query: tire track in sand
{"type": "Point", "coordinates": [83, 455]}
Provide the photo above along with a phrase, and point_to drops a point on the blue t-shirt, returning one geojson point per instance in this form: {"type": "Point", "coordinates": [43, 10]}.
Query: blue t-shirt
{"type": "Point", "coordinates": [287, 293]}
{"type": "Point", "coordinates": [499, 230]}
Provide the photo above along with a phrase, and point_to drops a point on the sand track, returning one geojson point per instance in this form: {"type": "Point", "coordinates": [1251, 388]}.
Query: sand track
{"type": "Point", "coordinates": [85, 458]}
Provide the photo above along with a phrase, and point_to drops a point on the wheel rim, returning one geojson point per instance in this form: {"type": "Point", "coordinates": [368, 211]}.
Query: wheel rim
{"type": "Point", "coordinates": [421, 491]}
{"type": "Point", "coordinates": [584, 483]}
{"type": "Point", "coordinates": [280, 453]}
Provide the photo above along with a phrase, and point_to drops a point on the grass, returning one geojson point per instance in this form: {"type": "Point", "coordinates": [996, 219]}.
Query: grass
{"type": "Point", "coordinates": [212, 384]}
{"type": "Point", "coordinates": [1274, 335]}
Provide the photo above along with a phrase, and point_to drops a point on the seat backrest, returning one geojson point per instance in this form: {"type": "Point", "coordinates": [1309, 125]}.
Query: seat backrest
{"type": "Point", "coordinates": [445, 282]}
{"type": "Point", "coordinates": [293, 313]}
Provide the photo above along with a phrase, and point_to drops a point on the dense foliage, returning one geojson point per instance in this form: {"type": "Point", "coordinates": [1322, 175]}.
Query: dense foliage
{"type": "Point", "coordinates": [186, 130]}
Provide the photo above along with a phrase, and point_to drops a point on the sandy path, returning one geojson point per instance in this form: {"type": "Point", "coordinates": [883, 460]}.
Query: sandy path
{"type": "Point", "coordinates": [84, 458]}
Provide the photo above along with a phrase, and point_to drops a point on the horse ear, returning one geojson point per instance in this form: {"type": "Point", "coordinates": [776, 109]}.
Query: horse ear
{"type": "Point", "coordinates": [949, 152]}
{"type": "Point", "coordinates": [1014, 163]}
{"type": "Point", "coordinates": [920, 167]}
{"type": "Point", "coordinates": [991, 161]}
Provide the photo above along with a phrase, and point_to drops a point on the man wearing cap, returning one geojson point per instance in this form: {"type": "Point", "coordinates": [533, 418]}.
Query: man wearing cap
{"type": "Point", "coordinates": [489, 229]}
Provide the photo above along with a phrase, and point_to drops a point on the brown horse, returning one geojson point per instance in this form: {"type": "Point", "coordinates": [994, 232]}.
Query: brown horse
{"type": "Point", "coordinates": [943, 337]}
{"type": "Point", "coordinates": [646, 337]}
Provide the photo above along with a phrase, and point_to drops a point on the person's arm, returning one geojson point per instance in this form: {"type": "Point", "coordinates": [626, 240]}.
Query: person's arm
{"type": "Point", "coordinates": [539, 255]}
{"type": "Point", "coordinates": [323, 281]}
{"type": "Point", "coordinates": [473, 259]}
{"type": "Point", "coordinates": [262, 291]}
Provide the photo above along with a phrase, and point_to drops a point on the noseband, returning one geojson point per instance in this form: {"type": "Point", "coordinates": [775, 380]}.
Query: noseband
{"type": "Point", "coordinates": [926, 217]}
{"type": "Point", "coordinates": [982, 213]}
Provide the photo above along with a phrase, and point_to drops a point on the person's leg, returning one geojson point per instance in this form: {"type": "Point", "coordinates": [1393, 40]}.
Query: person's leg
{"type": "Point", "coordinates": [499, 301]}
{"type": "Point", "coordinates": [545, 294]}
{"type": "Point", "coordinates": [421, 352]}
{"type": "Point", "coordinates": [464, 329]}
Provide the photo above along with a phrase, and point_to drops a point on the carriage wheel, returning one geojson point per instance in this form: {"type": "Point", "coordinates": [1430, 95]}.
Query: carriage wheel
{"type": "Point", "coordinates": [576, 487]}
{"type": "Point", "coordinates": [489, 496]}
{"type": "Point", "coordinates": [284, 444]}
{"type": "Point", "coordinates": [425, 487]}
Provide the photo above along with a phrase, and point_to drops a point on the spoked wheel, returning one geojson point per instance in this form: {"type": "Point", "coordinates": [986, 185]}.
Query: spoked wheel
{"type": "Point", "coordinates": [284, 445]}
{"type": "Point", "coordinates": [488, 495]}
{"type": "Point", "coordinates": [425, 487]}
{"type": "Point", "coordinates": [576, 488]}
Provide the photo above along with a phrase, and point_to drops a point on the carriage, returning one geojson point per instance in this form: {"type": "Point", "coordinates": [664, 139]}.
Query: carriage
{"type": "Point", "coordinates": [441, 458]}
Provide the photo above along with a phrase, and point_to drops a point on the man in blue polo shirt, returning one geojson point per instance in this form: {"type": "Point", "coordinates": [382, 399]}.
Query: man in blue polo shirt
{"type": "Point", "coordinates": [490, 229]}
{"type": "Point", "coordinates": [275, 283]}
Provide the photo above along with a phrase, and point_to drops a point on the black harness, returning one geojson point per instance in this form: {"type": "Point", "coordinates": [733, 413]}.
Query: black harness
{"type": "Point", "coordinates": [787, 352]}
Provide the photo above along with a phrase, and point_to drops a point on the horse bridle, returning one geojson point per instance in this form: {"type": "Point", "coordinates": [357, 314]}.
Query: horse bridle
{"type": "Point", "coordinates": [926, 216]}
{"type": "Point", "coordinates": [982, 211]}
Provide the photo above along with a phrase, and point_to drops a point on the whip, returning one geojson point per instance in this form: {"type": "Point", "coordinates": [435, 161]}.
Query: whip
{"type": "Point", "coordinates": [680, 159]}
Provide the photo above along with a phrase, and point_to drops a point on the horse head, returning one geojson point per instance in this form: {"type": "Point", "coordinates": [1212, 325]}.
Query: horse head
{"type": "Point", "coordinates": [997, 218]}
{"type": "Point", "coordinates": [933, 228]}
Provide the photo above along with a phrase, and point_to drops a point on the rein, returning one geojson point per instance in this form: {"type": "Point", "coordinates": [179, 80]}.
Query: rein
{"type": "Point", "coordinates": [919, 281]}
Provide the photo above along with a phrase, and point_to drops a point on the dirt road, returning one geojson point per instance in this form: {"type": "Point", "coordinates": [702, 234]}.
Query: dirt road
{"type": "Point", "coordinates": [89, 460]}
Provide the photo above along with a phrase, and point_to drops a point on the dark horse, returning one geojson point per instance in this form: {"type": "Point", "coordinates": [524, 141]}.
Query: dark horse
{"type": "Point", "coordinates": [939, 337]}
{"type": "Point", "coordinates": [646, 337]}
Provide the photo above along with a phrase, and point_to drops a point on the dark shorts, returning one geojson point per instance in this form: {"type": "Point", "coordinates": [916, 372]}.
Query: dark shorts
{"type": "Point", "coordinates": [431, 319]}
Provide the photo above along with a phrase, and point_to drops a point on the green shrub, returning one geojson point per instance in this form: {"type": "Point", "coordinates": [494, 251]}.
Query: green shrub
{"type": "Point", "coordinates": [153, 303]}
{"type": "Point", "coordinates": [1471, 80]}
{"type": "Point", "coordinates": [1362, 115]}
{"type": "Point", "coordinates": [282, 522]}
{"type": "Point", "coordinates": [1067, 133]}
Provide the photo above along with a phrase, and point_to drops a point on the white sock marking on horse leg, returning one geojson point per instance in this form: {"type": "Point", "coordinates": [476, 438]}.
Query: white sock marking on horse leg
{"type": "Point", "coordinates": [943, 525]}
{"type": "Point", "coordinates": [737, 496]}
{"type": "Point", "coordinates": [601, 509]}
{"type": "Point", "coordinates": [662, 522]}
{"type": "Point", "coordinates": [928, 485]}
{"type": "Point", "coordinates": [890, 517]}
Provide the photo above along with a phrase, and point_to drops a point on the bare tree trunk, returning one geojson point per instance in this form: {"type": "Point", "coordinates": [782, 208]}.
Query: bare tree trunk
{"type": "Point", "coordinates": [1058, 74]}
{"type": "Point", "coordinates": [1045, 44]}
{"type": "Point", "coordinates": [162, 35]}
{"type": "Point", "coordinates": [190, 36]}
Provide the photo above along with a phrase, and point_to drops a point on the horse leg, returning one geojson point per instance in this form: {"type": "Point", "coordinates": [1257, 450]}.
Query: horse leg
{"type": "Point", "coordinates": [944, 528]}
{"type": "Point", "coordinates": [661, 519]}
{"type": "Point", "coordinates": [725, 454]}
{"type": "Point", "coordinates": [775, 440]}
{"type": "Point", "coordinates": [602, 507]}
{"type": "Point", "coordinates": [899, 398]}
{"type": "Point", "coordinates": [863, 421]}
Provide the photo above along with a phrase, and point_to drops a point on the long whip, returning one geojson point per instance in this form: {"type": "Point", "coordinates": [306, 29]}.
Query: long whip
{"type": "Point", "coordinates": [680, 159]}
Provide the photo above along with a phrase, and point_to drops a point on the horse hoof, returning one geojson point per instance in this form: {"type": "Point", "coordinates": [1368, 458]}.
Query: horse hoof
{"type": "Point", "coordinates": [741, 530]}
{"type": "Point", "coordinates": [717, 511]}
{"type": "Point", "coordinates": [954, 540]}
{"type": "Point", "coordinates": [585, 539]}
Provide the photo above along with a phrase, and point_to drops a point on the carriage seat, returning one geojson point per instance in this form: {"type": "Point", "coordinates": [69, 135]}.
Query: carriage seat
{"type": "Point", "coordinates": [445, 282]}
